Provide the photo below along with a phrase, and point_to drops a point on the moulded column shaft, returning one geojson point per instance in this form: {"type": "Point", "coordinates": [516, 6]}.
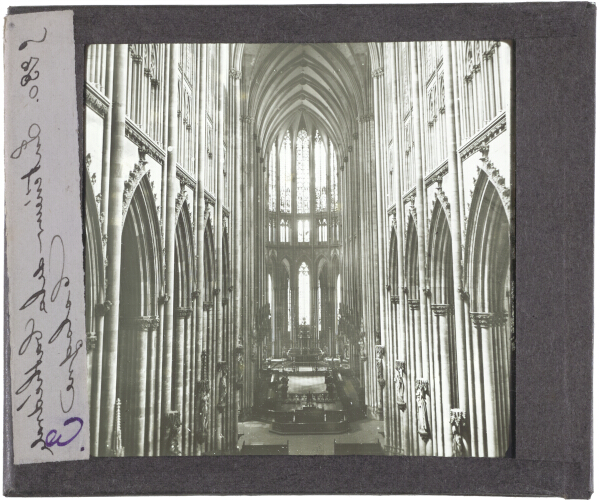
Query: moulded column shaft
{"type": "Point", "coordinates": [115, 220]}
{"type": "Point", "coordinates": [140, 330]}
{"type": "Point", "coordinates": [171, 188]}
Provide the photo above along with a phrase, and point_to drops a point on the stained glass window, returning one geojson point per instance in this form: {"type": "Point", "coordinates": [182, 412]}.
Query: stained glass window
{"type": "Point", "coordinates": [322, 230]}
{"type": "Point", "coordinates": [285, 174]}
{"type": "Point", "coordinates": [302, 173]}
{"type": "Point", "coordinates": [289, 306]}
{"type": "Point", "coordinates": [319, 304]}
{"type": "Point", "coordinates": [320, 174]}
{"type": "Point", "coordinates": [304, 294]}
{"type": "Point", "coordinates": [334, 186]}
{"type": "Point", "coordinates": [284, 231]}
{"type": "Point", "coordinates": [272, 180]}
{"type": "Point", "coordinates": [303, 231]}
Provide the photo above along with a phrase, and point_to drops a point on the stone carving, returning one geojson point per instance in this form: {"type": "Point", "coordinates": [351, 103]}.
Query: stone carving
{"type": "Point", "coordinates": [136, 136]}
{"type": "Point", "coordinates": [173, 433]}
{"type": "Point", "coordinates": [239, 379]}
{"type": "Point", "coordinates": [95, 101]}
{"type": "Point", "coordinates": [482, 320]}
{"type": "Point", "coordinates": [457, 423]}
{"type": "Point", "coordinates": [400, 370]}
{"type": "Point", "coordinates": [135, 176]}
{"type": "Point", "coordinates": [116, 449]}
{"type": "Point", "coordinates": [201, 428]}
{"type": "Point", "coordinates": [91, 341]}
{"type": "Point", "coordinates": [376, 73]}
{"type": "Point", "coordinates": [179, 201]}
{"type": "Point", "coordinates": [145, 323]}
{"type": "Point", "coordinates": [492, 130]}
{"type": "Point", "coordinates": [103, 308]}
{"type": "Point", "coordinates": [222, 385]}
{"type": "Point", "coordinates": [422, 390]}
{"type": "Point", "coordinates": [495, 178]}
{"type": "Point", "coordinates": [380, 353]}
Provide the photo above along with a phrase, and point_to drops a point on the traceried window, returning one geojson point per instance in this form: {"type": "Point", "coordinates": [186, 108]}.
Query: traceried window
{"type": "Point", "coordinates": [285, 173]}
{"type": "Point", "coordinates": [322, 230]}
{"type": "Point", "coordinates": [334, 185]}
{"type": "Point", "coordinates": [273, 180]}
{"type": "Point", "coordinates": [302, 173]}
{"type": "Point", "coordinates": [320, 174]}
{"type": "Point", "coordinates": [303, 231]}
{"type": "Point", "coordinates": [272, 228]}
{"type": "Point", "coordinates": [304, 294]}
{"type": "Point", "coordinates": [289, 306]}
{"type": "Point", "coordinates": [284, 231]}
{"type": "Point", "coordinates": [319, 305]}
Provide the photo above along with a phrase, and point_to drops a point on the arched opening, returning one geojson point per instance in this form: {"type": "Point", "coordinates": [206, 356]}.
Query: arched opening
{"type": "Point", "coordinates": [94, 308]}
{"type": "Point", "coordinates": [141, 276]}
{"type": "Point", "coordinates": [487, 272]}
{"type": "Point", "coordinates": [445, 381]}
{"type": "Point", "coordinates": [181, 389]}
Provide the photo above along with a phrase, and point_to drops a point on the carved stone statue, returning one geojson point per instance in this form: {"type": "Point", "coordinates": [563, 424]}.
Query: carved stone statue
{"type": "Point", "coordinates": [400, 385]}
{"type": "Point", "coordinates": [422, 412]}
{"type": "Point", "coordinates": [240, 370]}
{"type": "Point", "coordinates": [459, 445]}
{"type": "Point", "coordinates": [284, 387]}
{"type": "Point", "coordinates": [223, 386]}
{"type": "Point", "coordinates": [173, 433]}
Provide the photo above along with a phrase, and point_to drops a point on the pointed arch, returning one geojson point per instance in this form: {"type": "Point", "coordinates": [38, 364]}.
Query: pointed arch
{"type": "Point", "coordinates": [393, 260]}
{"type": "Point", "coordinates": [411, 265]}
{"type": "Point", "coordinates": [440, 256]}
{"type": "Point", "coordinates": [487, 248]}
{"type": "Point", "coordinates": [183, 258]}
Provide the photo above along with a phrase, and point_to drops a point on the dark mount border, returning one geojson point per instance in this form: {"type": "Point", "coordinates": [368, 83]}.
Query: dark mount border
{"type": "Point", "coordinates": [554, 188]}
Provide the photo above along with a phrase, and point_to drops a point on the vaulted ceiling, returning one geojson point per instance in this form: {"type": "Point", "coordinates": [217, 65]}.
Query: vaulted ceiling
{"type": "Point", "coordinates": [327, 86]}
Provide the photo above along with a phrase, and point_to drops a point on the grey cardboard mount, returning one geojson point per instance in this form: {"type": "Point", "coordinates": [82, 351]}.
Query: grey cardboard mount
{"type": "Point", "coordinates": [554, 81]}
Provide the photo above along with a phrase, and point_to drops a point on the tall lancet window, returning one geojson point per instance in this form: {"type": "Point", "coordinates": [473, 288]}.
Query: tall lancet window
{"type": "Point", "coordinates": [272, 180]}
{"type": "Point", "coordinates": [334, 186]}
{"type": "Point", "coordinates": [289, 306]}
{"type": "Point", "coordinates": [285, 181]}
{"type": "Point", "coordinates": [304, 294]}
{"type": "Point", "coordinates": [303, 173]}
{"type": "Point", "coordinates": [319, 305]}
{"type": "Point", "coordinates": [320, 174]}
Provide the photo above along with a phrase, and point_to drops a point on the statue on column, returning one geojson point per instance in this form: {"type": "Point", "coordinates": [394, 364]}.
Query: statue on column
{"type": "Point", "coordinates": [173, 433]}
{"type": "Point", "coordinates": [422, 413]}
{"type": "Point", "coordinates": [240, 370]}
{"type": "Point", "coordinates": [459, 444]}
{"type": "Point", "coordinates": [400, 385]}
{"type": "Point", "coordinates": [223, 385]}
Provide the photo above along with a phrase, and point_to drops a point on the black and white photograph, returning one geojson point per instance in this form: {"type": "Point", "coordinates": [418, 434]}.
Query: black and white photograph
{"type": "Point", "coordinates": [302, 249]}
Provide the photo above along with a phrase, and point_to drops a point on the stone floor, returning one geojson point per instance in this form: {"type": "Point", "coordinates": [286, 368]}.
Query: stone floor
{"type": "Point", "coordinates": [364, 431]}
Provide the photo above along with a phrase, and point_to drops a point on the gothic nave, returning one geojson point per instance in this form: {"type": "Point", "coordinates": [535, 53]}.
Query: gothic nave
{"type": "Point", "coordinates": [304, 235]}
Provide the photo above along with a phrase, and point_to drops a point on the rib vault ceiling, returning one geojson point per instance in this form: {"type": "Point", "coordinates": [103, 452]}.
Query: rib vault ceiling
{"type": "Point", "coordinates": [326, 86]}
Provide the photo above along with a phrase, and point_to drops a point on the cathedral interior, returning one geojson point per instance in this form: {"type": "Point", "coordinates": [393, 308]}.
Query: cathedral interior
{"type": "Point", "coordinates": [299, 248]}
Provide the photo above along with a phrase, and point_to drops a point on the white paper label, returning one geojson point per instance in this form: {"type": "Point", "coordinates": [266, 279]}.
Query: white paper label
{"type": "Point", "coordinates": [44, 240]}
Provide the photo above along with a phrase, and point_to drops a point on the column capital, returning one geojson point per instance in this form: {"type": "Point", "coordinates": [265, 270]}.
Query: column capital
{"type": "Point", "coordinates": [458, 417]}
{"type": "Point", "coordinates": [182, 312]}
{"type": "Point", "coordinates": [235, 74]}
{"type": "Point", "coordinates": [91, 341]}
{"type": "Point", "coordinates": [422, 385]}
{"type": "Point", "coordinates": [482, 319]}
{"type": "Point", "coordinates": [414, 304]}
{"type": "Point", "coordinates": [207, 306]}
{"type": "Point", "coordinates": [142, 323]}
{"type": "Point", "coordinates": [440, 309]}
{"type": "Point", "coordinates": [376, 73]}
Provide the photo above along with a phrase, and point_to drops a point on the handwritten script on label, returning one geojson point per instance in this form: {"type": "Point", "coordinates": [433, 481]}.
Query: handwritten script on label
{"type": "Point", "coordinates": [44, 241]}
